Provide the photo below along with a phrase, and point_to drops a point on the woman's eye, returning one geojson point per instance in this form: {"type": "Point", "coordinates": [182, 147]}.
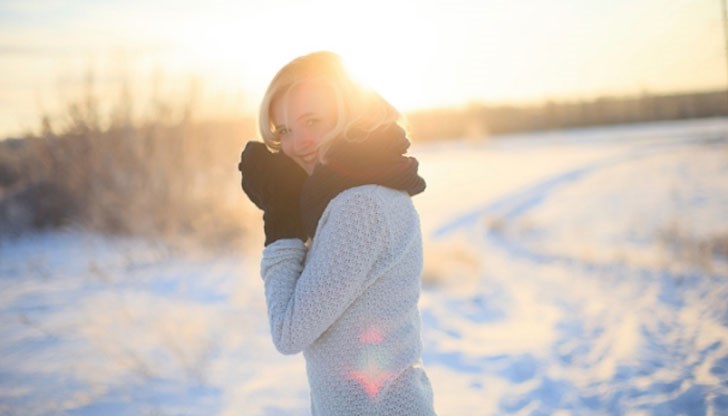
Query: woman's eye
{"type": "Point", "coordinates": [282, 131]}
{"type": "Point", "coordinates": [311, 122]}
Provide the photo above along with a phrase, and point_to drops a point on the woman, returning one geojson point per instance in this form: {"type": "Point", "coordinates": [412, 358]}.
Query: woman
{"type": "Point", "coordinates": [343, 248]}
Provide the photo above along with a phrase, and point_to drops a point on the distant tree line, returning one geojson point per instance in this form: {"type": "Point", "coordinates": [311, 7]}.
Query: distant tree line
{"type": "Point", "coordinates": [171, 175]}
{"type": "Point", "coordinates": [478, 121]}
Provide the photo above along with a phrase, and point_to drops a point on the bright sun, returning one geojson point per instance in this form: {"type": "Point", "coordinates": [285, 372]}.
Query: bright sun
{"type": "Point", "coordinates": [396, 82]}
{"type": "Point", "coordinates": [382, 49]}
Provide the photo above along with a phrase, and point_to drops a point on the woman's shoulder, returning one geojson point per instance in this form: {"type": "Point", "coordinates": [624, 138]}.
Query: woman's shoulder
{"type": "Point", "coordinates": [371, 196]}
{"type": "Point", "coordinates": [373, 203]}
{"type": "Point", "coordinates": [386, 213]}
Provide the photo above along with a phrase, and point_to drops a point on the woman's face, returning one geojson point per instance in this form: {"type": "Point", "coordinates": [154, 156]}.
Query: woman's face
{"type": "Point", "coordinates": [301, 119]}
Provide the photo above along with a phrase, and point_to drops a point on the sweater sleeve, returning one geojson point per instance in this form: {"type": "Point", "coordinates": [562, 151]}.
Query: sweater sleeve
{"type": "Point", "coordinates": [303, 301]}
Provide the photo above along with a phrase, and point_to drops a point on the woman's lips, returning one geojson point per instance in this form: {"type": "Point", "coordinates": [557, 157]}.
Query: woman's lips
{"type": "Point", "coordinates": [309, 158]}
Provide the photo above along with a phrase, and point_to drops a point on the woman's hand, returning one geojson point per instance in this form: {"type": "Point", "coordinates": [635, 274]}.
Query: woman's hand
{"type": "Point", "coordinates": [273, 183]}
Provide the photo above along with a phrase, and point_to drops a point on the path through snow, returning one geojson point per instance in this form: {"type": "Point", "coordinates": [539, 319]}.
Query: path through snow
{"type": "Point", "coordinates": [580, 272]}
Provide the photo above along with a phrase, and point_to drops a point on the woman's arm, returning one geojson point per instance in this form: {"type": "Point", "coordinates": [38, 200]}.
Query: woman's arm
{"type": "Point", "coordinates": [304, 301]}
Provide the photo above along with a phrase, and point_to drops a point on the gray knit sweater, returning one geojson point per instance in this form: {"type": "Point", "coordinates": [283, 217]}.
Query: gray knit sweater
{"type": "Point", "coordinates": [350, 304]}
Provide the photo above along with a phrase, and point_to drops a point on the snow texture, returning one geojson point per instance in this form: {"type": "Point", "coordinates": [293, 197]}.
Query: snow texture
{"type": "Point", "coordinates": [580, 272]}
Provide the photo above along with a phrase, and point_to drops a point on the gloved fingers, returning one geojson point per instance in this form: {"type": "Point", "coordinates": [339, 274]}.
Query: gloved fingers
{"type": "Point", "coordinates": [255, 161]}
{"type": "Point", "coordinates": [254, 157]}
{"type": "Point", "coordinates": [288, 171]}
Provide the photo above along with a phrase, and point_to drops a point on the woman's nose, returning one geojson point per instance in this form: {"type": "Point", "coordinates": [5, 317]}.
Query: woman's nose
{"type": "Point", "coordinates": [302, 141]}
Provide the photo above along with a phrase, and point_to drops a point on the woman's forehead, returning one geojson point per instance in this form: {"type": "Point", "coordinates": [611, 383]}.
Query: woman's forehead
{"type": "Point", "coordinates": [303, 98]}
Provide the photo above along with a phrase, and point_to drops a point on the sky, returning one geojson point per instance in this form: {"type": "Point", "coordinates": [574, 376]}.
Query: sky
{"type": "Point", "coordinates": [418, 54]}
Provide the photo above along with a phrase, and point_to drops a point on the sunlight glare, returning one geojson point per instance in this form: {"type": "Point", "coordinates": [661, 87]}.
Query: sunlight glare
{"type": "Point", "coordinates": [381, 49]}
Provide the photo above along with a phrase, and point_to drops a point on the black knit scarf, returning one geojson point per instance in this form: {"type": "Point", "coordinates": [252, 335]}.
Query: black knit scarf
{"type": "Point", "coordinates": [378, 159]}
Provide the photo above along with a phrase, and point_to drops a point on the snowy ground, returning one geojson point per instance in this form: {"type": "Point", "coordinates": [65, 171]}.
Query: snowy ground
{"type": "Point", "coordinates": [567, 273]}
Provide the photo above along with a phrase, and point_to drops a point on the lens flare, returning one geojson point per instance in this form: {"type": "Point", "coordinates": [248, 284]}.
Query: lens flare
{"type": "Point", "coordinates": [371, 335]}
{"type": "Point", "coordinates": [373, 370]}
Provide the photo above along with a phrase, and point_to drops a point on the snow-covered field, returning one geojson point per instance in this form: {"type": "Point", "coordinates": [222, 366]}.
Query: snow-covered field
{"type": "Point", "coordinates": [567, 273]}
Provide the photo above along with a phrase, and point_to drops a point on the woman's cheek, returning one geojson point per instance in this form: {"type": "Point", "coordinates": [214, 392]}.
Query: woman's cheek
{"type": "Point", "coordinates": [286, 148]}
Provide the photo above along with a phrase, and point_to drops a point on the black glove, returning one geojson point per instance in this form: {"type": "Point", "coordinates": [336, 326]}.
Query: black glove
{"type": "Point", "coordinates": [273, 183]}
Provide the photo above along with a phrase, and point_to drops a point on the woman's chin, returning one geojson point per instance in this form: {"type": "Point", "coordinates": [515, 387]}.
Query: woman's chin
{"type": "Point", "coordinates": [309, 167]}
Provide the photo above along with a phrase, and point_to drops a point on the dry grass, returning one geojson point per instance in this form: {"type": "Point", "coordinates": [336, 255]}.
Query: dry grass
{"type": "Point", "coordinates": [699, 251]}
{"type": "Point", "coordinates": [164, 177]}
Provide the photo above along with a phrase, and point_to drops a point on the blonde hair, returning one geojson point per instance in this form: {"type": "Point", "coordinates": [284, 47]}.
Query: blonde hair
{"type": "Point", "coordinates": [358, 106]}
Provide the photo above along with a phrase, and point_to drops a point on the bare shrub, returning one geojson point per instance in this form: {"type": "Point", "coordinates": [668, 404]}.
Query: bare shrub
{"type": "Point", "coordinates": [38, 206]}
{"type": "Point", "coordinates": [166, 176]}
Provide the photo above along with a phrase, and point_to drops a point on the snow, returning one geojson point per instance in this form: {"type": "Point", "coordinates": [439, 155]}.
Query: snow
{"type": "Point", "coordinates": [571, 272]}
